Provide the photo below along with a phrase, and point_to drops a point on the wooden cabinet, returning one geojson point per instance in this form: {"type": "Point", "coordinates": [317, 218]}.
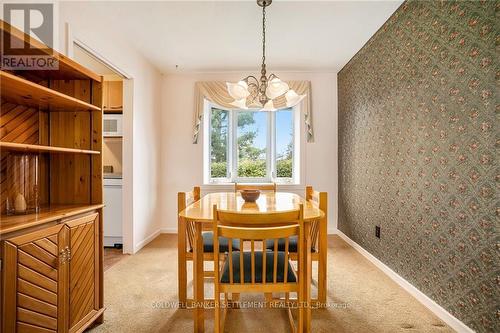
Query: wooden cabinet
{"type": "Point", "coordinates": [113, 96]}
{"type": "Point", "coordinates": [83, 270]}
{"type": "Point", "coordinates": [51, 261]}
{"type": "Point", "coordinates": [51, 278]}
{"type": "Point", "coordinates": [35, 273]}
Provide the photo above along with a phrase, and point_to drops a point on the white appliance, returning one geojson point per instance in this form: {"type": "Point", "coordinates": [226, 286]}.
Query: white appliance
{"type": "Point", "coordinates": [113, 212]}
{"type": "Point", "coordinates": [112, 125]}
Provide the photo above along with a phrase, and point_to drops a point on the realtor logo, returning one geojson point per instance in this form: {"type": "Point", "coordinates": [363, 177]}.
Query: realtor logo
{"type": "Point", "coordinates": [36, 20]}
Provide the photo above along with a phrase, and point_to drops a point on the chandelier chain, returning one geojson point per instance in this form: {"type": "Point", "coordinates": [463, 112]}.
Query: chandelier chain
{"type": "Point", "coordinates": [263, 34]}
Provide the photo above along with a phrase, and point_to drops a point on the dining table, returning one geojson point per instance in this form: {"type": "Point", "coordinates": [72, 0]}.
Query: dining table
{"type": "Point", "coordinates": [201, 212]}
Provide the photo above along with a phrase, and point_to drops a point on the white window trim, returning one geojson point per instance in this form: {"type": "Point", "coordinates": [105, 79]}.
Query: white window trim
{"type": "Point", "coordinates": [296, 183]}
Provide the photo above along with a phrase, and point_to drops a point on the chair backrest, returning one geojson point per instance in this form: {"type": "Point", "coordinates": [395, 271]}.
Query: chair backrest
{"type": "Point", "coordinates": [184, 199]}
{"type": "Point", "coordinates": [321, 200]}
{"type": "Point", "coordinates": [250, 229]}
{"type": "Point", "coordinates": [262, 187]}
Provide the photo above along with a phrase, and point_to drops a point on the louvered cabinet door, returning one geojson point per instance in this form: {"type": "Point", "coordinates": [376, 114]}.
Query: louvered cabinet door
{"type": "Point", "coordinates": [83, 270]}
{"type": "Point", "coordinates": [34, 281]}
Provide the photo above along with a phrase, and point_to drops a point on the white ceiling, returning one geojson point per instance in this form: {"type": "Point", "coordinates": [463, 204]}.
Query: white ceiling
{"type": "Point", "coordinates": [213, 36]}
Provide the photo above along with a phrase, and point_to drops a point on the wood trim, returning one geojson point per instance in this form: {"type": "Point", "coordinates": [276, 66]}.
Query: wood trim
{"type": "Point", "coordinates": [9, 287]}
{"type": "Point", "coordinates": [10, 224]}
{"type": "Point", "coordinates": [63, 282]}
{"type": "Point", "coordinates": [44, 149]}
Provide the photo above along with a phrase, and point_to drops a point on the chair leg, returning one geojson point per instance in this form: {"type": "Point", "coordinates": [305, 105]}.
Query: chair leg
{"type": "Point", "coordinates": [269, 297]}
{"type": "Point", "coordinates": [217, 312]}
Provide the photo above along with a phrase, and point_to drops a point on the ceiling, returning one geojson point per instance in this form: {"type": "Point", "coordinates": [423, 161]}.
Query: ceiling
{"type": "Point", "coordinates": [212, 36]}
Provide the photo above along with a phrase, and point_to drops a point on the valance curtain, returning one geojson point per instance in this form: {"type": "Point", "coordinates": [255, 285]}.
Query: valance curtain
{"type": "Point", "coordinates": [216, 92]}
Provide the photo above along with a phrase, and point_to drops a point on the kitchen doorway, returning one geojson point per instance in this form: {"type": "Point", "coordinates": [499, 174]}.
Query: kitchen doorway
{"type": "Point", "coordinates": [117, 161]}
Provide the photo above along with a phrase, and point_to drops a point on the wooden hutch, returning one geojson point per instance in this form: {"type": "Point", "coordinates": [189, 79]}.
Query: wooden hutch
{"type": "Point", "coordinates": [51, 261]}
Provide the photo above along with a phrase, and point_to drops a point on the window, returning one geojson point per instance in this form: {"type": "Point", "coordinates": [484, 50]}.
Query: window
{"type": "Point", "coordinates": [250, 146]}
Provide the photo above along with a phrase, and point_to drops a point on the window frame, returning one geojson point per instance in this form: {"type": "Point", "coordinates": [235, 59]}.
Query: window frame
{"type": "Point", "coordinates": [232, 153]}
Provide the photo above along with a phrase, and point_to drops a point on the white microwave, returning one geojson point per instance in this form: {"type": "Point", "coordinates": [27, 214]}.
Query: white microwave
{"type": "Point", "coordinates": [112, 125]}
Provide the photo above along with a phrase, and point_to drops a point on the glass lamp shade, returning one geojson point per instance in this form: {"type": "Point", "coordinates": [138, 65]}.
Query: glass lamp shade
{"type": "Point", "coordinates": [276, 88]}
{"type": "Point", "coordinates": [292, 98]}
{"type": "Point", "coordinates": [240, 103]}
{"type": "Point", "coordinates": [238, 90]}
{"type": "Point", "coordinates": [269, 106]}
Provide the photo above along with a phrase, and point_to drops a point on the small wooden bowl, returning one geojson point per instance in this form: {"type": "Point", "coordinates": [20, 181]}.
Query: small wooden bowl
{"type": "Point", "coordinates": [250, 195]}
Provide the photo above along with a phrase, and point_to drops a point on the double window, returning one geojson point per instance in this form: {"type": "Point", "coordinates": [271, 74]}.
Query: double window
{"type": "Point", "coordinates": [251, 146]}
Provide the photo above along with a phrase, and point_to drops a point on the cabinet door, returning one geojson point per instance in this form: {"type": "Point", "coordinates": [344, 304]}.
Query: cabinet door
{"type": "Point", "coordinates": [115, 95]}
{"type": "Point", "coordinates": [35, 276]}
{"type": "Point", "coordinates": [83, 270]}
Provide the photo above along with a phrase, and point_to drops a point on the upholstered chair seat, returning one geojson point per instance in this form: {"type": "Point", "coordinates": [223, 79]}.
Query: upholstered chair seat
{"type": "Point", "coordinates": [247, 268]}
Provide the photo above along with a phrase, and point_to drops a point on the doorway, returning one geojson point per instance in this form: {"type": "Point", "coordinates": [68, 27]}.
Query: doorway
{"type": "Point", "coordinates": [117, 151]}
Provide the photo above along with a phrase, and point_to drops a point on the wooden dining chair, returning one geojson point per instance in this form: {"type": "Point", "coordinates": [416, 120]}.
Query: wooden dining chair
{"type": "Point", "coordinates": [186, 241]}
{"type": "Point", "coordinates": [265, 271]}
{"type": "Point", "coordinates": [249, 186]}
{"type": "Point", "coordinates": [319, 243]}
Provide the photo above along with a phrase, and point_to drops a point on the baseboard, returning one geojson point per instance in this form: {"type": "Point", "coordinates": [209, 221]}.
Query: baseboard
{"type": "Point", "coordinates": [146, 240]}
{"type": "Point", "coordinates": [168, 230]}
{"type": "Point", "coordinates": [439, 311]}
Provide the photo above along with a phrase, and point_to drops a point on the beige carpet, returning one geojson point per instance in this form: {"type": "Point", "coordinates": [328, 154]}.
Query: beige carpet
{"type": "Point", "coordinates": [140, 290]}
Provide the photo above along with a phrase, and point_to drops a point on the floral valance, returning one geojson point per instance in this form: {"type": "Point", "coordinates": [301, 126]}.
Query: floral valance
{"type": "Point", "coordinates": [216, 92]}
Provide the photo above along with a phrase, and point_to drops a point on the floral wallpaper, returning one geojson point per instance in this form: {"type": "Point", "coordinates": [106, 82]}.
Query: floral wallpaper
{"type": "Point", "coordinates": [418, 147]}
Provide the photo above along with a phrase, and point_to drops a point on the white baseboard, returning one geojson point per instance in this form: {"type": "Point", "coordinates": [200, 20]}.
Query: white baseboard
{"type": "Point", "coordinates": [439, 311]}
{"type": "Point", "coordinates": [168, 230]}
{"type": "Point", "coordinates": [146, 240]}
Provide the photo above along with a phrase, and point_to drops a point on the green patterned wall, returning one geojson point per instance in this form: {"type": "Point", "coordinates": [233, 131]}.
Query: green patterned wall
{"type": "Point", "coordinates": [418, 147]}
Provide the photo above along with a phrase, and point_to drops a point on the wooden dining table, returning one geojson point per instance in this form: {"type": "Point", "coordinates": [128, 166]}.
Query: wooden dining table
{"type": "Point", "coordinates": [201, 212]}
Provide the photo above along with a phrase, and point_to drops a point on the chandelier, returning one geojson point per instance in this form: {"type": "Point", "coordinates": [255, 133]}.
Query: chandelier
{"type": "Point", "coordinates": [268, 88]}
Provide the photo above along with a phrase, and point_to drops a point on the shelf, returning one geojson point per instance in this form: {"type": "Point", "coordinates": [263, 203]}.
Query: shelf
{"type": "Point", "coordinates": [44, 149]}
{"type": "Point", "coordinates": [46, 214]}
{"type": "Point", "coordinates": [68, 69]}
{"type": "Point", "coordinates": [21, 91]}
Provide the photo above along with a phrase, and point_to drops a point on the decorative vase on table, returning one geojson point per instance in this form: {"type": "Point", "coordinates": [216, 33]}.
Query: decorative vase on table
{"type": "Point", "coordinates": [22, 184]}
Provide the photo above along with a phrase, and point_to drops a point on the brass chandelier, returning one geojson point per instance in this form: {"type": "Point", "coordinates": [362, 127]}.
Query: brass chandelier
{"type": "Point", "coordinates": [250, 90]}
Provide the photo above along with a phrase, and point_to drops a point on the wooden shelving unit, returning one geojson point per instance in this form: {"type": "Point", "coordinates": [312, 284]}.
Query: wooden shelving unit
{"type": "Point", "coordinates": [44, 149]}
{"type": "Point", "coordinates": [56, 114]}
{"type": "Point", "coordinates": [20, 91]}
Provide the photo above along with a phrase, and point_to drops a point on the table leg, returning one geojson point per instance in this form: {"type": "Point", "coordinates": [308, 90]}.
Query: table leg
{"type": "Point", "coordinates": [308, 281]}
{"type": "Point", "coordinates": [199, 295]}
{"type": "Point", "coordinates": [322, 262]}
{"type": "Point", "coordinates": [181, 261]}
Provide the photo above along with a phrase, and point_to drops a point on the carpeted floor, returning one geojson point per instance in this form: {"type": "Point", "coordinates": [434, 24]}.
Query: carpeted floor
{"type": "Point", "coordinates": [140, 290]}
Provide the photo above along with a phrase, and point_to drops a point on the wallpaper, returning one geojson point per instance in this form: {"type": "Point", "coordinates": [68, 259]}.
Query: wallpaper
{"type": "Point", "coordinates": [418, 147]}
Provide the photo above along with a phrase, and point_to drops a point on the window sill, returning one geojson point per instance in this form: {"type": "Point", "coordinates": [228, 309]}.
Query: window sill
{"type": "Point", "coordinates": [228, 187]}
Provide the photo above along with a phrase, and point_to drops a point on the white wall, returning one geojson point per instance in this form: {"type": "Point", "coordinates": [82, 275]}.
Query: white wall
{"type": "Point", "coordinates": [142, 129]}
{"type": "Point", "coordinates": [182, 161]}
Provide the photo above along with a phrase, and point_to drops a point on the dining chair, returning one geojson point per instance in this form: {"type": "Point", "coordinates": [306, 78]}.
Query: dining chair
{"type": "Point", "coordinates": [318, 241]}
{"type": "Point", "coordinates": [249, 186]}
{"type": "Point", "coordinates": [186, 241]}
{"type": "Point", "coordinates": [254, 270]}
